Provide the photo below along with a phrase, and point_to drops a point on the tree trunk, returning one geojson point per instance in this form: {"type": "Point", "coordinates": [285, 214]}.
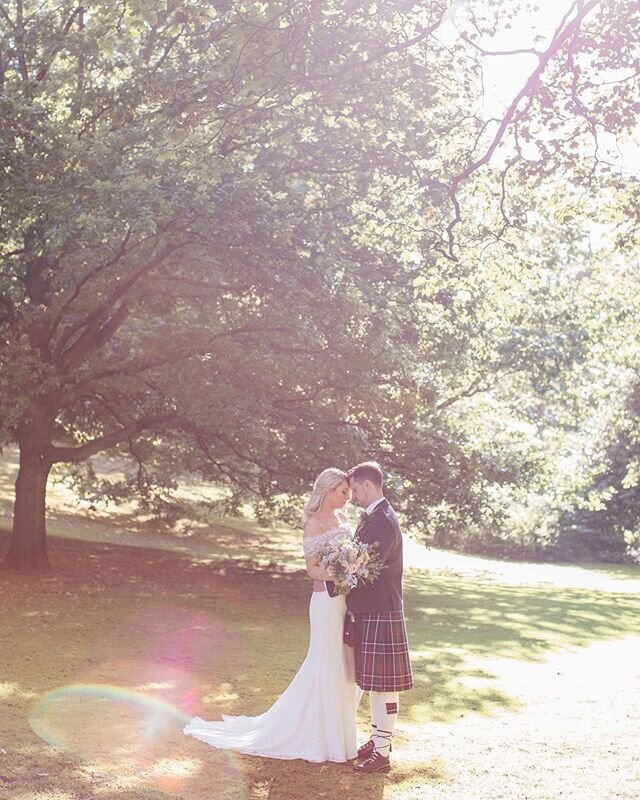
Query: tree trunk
{"type": "Point", "coordinates": [28, 548]}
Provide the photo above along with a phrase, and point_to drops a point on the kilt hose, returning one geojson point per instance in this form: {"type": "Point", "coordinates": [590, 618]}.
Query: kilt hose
{"type": "Point", "coordinates": [382, 652]}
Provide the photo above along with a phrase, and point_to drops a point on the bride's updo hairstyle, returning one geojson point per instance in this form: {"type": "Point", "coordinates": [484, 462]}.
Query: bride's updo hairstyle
{"type": "Point", "coordinates": [326, 481]}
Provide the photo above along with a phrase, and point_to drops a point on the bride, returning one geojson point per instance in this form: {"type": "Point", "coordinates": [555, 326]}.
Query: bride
{"type": "Point", "coordinates": [315, 717]}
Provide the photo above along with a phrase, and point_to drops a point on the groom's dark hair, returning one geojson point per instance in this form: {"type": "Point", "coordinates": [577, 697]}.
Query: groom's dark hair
{"type": "Point", "coordinates": [367, 471]}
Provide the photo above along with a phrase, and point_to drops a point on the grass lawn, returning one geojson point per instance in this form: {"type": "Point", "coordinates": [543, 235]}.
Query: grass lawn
{"type": "Point", "coordinates": [527, 676]}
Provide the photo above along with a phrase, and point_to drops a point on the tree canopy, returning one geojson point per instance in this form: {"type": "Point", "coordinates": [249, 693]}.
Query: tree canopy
{"type": "Point", "coordinates": [249, 240]}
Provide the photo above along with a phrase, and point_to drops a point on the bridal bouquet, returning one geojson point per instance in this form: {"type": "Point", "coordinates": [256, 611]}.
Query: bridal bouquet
{"type": "Point", "coordinates": [349, 562]}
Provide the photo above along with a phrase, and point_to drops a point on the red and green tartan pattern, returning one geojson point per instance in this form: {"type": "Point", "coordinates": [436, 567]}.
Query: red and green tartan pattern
{"type": "Point", "coordinates": [382, 653]}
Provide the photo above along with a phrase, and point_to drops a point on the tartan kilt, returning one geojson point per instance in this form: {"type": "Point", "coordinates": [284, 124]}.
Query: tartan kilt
{"type": "Point", "coordinates": [382, 652]}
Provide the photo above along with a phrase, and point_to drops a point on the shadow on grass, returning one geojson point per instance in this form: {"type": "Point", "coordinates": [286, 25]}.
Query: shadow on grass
{"type": "Point", "coordinates": [201, 533]}
{"type": "Point", "coordinates": [39, 772]}
{"type": "Point", "coordinates": [236, 631]}
{"type": "Point", "coordinates": [455, 623]}
{"type": "Point", "coordinates": [178, 767]}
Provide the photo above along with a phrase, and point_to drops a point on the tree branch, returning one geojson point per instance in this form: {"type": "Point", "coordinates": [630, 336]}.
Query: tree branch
{"type": "Point", "coordinates": [82, 452]}
{"type": "Point", "coordinates": [424, 34]}
{"type": "Point", "coordinates": [122, 249]}
{"type": "Point", "coordinates": [6, 16]}
{"type": "Point", "coordinates": [94, 337]}
{"type": "Point", "coordinates": [475, 387]}
{"type": "Point", "coordinates": [92, 322]}
{"type": "Point", "coordinates": [44, 68]}
{"type": "Point", "coordinates": [19, 32]}
{"type": "Point", "coordinates": [525, 50]}
{"type": "Point", "coordinates": [181, 354]}
{"type": "Point", "coordinates": [560, 37]}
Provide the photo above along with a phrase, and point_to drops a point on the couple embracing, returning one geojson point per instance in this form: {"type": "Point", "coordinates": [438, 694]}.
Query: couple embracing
{"type": "Point", "coordinates": [315, 717]}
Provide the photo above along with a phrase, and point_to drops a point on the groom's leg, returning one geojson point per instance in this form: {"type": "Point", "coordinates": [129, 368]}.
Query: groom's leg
{"type": "Point", "coordinates": [374, 724]}
{"type": "Point", "coordinates": [384, 711]}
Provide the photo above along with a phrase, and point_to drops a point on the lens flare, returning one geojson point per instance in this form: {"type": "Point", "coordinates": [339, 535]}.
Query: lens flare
{"type": "Point", "coordinates": [130, 734]}
{"type": "Point", "coordinates": [100, 703]}
{"type": "Point", "coordinates": [124, 717]}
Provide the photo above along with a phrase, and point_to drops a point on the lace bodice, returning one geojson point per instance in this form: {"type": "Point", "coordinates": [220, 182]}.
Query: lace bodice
{"type": "Point", "coordinates": [311, 543]}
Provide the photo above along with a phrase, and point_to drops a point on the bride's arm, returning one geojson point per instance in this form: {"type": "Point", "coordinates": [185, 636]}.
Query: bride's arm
{"type": "Point", "coordinates": [314, 570]}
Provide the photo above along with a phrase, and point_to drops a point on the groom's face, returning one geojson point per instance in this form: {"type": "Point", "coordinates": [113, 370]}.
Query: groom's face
{"type": "Point", "coordinates": [359, 493]}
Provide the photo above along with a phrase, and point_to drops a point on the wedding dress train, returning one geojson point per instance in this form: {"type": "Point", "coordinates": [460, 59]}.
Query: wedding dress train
{"type": "Point", "coordinates": [315, 717]}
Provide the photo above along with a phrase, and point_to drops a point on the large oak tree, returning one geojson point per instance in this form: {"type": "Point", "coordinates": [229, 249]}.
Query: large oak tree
{"type": "Point", "coordinates": [225, 227]}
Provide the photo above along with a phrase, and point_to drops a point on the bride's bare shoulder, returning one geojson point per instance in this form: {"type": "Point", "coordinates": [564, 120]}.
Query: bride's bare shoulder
{"type": "Point", "coordinates": [313, 527]}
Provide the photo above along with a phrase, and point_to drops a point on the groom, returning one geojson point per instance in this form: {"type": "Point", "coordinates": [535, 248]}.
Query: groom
{"type": "Point", "coordinates": [382, 653]}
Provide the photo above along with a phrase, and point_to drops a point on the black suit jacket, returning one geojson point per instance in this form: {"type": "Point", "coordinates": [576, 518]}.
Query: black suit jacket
{"type": "Point", "coordinates": [385, 593]}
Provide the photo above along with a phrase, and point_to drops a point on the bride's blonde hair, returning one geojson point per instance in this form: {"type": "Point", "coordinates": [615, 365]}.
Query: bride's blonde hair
{"type": "Point", "coordinates": [327, 480]}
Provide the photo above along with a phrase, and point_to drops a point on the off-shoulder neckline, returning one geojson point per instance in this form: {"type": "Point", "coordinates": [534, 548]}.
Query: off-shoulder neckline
{"type": "Point", "coordinates": [329, 530]}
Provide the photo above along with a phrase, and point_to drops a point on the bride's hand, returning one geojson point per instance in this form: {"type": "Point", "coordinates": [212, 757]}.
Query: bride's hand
{"type": "Point", "coordinates": [315, 571]}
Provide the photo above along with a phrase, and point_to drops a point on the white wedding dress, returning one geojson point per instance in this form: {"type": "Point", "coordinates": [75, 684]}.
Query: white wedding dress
{"type": "Point", "coordinates": [315, 717]}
